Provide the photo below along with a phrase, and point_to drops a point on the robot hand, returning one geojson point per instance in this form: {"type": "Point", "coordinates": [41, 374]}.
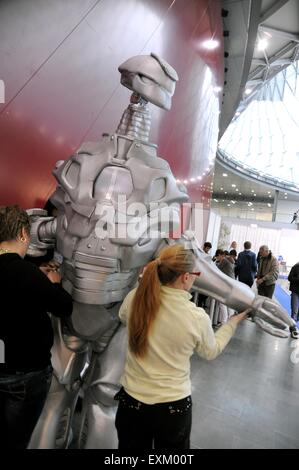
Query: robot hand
{"type": "Point", "coordinates": [271, 317]}
{"type": "Point", "coordinates": [266, 313]}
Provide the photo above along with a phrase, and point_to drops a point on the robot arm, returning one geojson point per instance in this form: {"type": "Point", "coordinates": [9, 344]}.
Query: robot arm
{"type": "Point", "coordinates": [42, 232]}
{"type": "Point", "coordinates": [267, 313]}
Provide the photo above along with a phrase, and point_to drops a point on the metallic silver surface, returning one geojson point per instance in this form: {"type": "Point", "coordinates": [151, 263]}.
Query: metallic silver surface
{"type": "Point", "coordinates": [151, 77]}
{"type": "Point", "coordinates": [267, 313]}
{"type": "Point", "coordinates": [69, 356]}
{"type": "Point", "coordinates": [42, 232]}
{"type": "Point", "coordinates": [135, 121]}
{"type": "Point", "coordinates": [100, 267]}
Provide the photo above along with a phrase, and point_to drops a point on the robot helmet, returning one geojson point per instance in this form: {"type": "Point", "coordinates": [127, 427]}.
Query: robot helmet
{"type": "Point", "coordinates": [151, 77]}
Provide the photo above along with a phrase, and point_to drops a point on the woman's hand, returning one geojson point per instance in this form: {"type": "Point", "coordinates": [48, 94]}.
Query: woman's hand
{"type": "Point", "coordinates": [54, 276]}
{"type": "Point", "coordinates": [45, 269]}
{"type": "Point", "coordinates": [240, 316]}
{"type": "Point", "coordinates": [48, 267]}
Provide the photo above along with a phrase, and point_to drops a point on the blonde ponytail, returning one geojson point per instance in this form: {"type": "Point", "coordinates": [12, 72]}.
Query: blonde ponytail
{"type": "Point", "coordinates": [172, 262]}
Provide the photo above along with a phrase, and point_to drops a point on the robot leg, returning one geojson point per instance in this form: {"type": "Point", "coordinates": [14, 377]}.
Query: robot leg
{"type": "Point", "coordinates": [99, 407]}
{"type": "Point", "coordinates": [69, 356]}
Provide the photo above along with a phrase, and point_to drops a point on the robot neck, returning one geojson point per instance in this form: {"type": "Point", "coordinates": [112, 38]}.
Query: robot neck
{"type": "Point", "coordinates": [136, 122]}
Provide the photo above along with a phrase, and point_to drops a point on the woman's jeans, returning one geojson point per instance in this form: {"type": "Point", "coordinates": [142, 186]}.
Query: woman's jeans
{"type": "Point", "coordinates": [159, 426]}
{"type": "Point", "coordinates": [22, 397]}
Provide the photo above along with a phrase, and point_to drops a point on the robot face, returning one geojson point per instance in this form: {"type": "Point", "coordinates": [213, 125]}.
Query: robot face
{"type": "Point", "coordinates": [148, 89]}
{"type": "Point", "coordinates": [127, 79]}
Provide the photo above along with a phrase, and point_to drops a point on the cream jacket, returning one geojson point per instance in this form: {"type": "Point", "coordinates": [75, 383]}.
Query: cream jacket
{"type": "Point", "coordinates": [180, 328]}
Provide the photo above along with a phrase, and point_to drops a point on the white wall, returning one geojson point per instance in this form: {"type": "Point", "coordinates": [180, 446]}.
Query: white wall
{"type": "Point", "coordinates": [213, 230]}
{"type": "Point", "coordinates": [243, 212]}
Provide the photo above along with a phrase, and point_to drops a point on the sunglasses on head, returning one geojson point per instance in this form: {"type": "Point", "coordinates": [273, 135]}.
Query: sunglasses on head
{"type": "Point", "coordinates": [196, 274]}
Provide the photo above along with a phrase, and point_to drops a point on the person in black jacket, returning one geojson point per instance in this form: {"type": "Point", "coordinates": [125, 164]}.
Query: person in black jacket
{"type": "Point", "coordinates": [27, 296]}
{"type": "Point", "coordinates": [294, 288]}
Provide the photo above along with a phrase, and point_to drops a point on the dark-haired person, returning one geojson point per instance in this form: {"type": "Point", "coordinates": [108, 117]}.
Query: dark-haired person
{"type": "Point", "coordinates": [200, 298]}
{"type": "Point", "coordinates": [227, 267]}
{"type": "Point", "coordinates": [232, 258]}
{"type": "Point", "coordinates": [207, 246]}
{"type": "Point", "coordinates": [164, 329]}
{"type": "Point", "coordinates": [246, 265]}
{"type": "Point", "coordinates": [26, 330]}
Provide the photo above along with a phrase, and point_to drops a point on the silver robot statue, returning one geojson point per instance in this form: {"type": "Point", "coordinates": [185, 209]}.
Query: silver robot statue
{"type": "Point", "coordinates": [103, 250]}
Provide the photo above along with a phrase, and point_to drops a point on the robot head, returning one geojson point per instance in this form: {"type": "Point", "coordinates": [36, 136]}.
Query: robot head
{"type": "Point", "coordinates": [151, 77]}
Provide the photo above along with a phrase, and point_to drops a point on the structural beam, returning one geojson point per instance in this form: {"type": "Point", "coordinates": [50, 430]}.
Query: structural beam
{"type": "Point", "coordinates": [276, 58]}
{"type": "Point", "coordinates": [261, 62]}
{"type": "Point", "coordinates": [274, 210]}
{"type": "Point", "coordinates": [233, 197]}
{"type": "Point", "coordinates": [272, 10]}
{"type": "Point", "coordinates": [279, 32]}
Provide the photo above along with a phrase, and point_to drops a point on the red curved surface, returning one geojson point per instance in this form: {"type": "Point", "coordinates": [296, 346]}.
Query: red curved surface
{"type": "Point", "coordinates": [58, 62]}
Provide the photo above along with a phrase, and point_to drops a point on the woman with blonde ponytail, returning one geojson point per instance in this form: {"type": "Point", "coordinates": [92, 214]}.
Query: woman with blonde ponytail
{"type": "Point", "coordinates": [164, 329]}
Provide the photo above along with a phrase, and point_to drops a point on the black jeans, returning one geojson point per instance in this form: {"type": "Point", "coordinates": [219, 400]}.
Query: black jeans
{"type": "Point", "coordinates": [22, 397]}
{"type": "Point", "coordinates": [248, 282]}
{"type": "Point", "coordinates": [267, 291]}
{"type": "Point", "coordinates": [159, 426]}
{"type": "Point", "coordinates": [201, 300]}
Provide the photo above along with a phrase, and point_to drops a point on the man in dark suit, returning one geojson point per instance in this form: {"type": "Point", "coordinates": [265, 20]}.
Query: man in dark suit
{"type": "Point", "coordinates": [246, 265]}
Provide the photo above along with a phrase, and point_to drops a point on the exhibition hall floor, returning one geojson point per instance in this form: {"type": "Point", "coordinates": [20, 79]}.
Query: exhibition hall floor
{"type": "Point", "coordinates": [247, 398]}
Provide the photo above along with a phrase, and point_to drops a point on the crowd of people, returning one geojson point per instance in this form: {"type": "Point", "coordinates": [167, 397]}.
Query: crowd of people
{"type": "Point", "coordinates": [248, 267]}
{"type": "Point", "coordinates": [164, 330]}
